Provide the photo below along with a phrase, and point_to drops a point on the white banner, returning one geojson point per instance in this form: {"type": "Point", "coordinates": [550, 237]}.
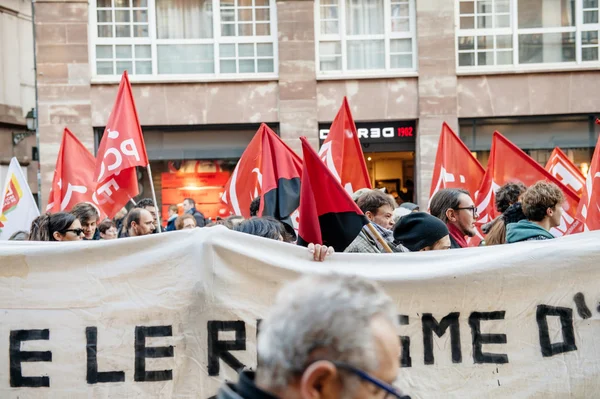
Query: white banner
{"type": "Point", "coordinates": [171, 315]}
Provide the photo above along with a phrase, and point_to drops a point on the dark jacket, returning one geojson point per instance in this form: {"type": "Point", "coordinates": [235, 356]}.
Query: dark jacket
{"type": "Point", "coordinates": [244, 389]}
{"type": "Point", "coordinates": [171, 223]}
{"type": "Point", "coordinates": [526, 231]}
{"type": "Point", "coordinates": [200, 222]}
{"type": "Point", "coordinates": [453, 243]}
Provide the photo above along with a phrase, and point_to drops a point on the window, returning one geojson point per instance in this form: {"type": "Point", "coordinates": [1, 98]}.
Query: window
{"type": "Point", "coordinates": [365, 35]}
{"type": "Point", "coordinates": [507, 33]}
{"type": "Point", "coordinates": [203, 38]}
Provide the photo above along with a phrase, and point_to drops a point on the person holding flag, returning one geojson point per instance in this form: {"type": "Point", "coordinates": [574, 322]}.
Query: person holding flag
{"type": "Point", "coordinates": [17, 205]}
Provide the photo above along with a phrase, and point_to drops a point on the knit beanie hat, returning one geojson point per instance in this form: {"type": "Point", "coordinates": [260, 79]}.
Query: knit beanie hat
{"type": "Point", "coordinates": [419, 230]}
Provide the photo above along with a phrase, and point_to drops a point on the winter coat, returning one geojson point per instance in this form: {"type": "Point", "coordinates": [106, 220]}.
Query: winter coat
{"type": "Point", "coordinates": [171, 223]}
{"type": "Point", "coordinates": [200, 222]}
{"type": "Point", "coordinates": [244, 389]}
{"type": "Point", "coordinates": [526, 231]}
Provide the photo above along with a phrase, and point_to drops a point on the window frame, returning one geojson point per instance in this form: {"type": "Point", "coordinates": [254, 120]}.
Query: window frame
{"type": "Point", "coordinates": [514, 30]}
{"type": "Point", "coordinates": [154, 42]}
{"type": "Point", "coordinates": [342, 38]}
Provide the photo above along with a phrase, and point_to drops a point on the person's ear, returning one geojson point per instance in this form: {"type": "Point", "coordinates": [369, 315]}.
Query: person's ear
{"type": "Point", "coordinates": [320, 380]}
{"type": "Point", "coordinates": [369, 215]}
{"type": "Point", "coordinates": [451, 215]}
{"type": "Point", "coordinates": [549, 212]}
{"type": "Point", "coordinates": [57, 236]}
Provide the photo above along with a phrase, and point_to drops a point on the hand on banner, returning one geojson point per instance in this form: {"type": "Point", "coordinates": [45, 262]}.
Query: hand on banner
{"type": "Point", "coordinates": [320, 252]}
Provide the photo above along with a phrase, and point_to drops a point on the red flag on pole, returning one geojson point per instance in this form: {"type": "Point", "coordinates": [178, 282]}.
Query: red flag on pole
{"type": "Point", "coordinates": [455, 165]}
{"type": "Point", "coordinates": [122, 149]}
{"type": "Point", "coordinates": [73, 180]}
{"type": "Point", "coordinates": [268, 169]}
{"type": "Point", "coordinates": [508, 163]}
{"type": "Point", "coordinates": [342, 153]}
{"type": "Point", "coordinates": [589, 206]}
{"type": "Point", "coordinates": [327, 213]}
{"type": "Point", "coordinates": [560, 166]}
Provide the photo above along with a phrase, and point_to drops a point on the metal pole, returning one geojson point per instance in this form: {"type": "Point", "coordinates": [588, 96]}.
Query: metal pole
{"type": "Point", "coordinates": [158, 227]}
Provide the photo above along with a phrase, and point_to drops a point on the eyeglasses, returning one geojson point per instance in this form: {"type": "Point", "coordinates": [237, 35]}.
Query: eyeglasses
{"type": "Point", "coordinates": [76, 231]}
{"type": "Point", "coordinates": [391, 391]}
{"type": "Point", "coordinates": [473, 209]}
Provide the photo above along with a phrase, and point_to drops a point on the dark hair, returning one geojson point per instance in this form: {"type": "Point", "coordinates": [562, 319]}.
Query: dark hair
{"type": "Point", "coordinates": [105, 225]}
{"type": "Point", "coordinates": [144, 203]}
{"type": "Point", "coordinates": [134, 215]}
{"type": "Point", "coordinates": [254, 206]}
{"type": "Point", "coordinates": [191, 201]}
{"type": "Point", "coordinates": [508, 194]}
{"type": "Point", "coordinates": [20, 235]}
{"type": "Point", "coordinates": [262, 227]}
{"type": "Point", "coordinates": [539, 197]}
{"type": "Point", "coordinates": [372, 200]}
{"type": "Point", "coordinates": [232, 221]}
{"type": "Point", "coordinates": [85, 212]}
{"type": "Point", "coordinates": [44, 226]}
{"type": "Point", "coordinates": [497, 233]}
{"type": "Point", "coordinates": [447, 198]}
{"type": "Point", "coordinates": [180, 219]}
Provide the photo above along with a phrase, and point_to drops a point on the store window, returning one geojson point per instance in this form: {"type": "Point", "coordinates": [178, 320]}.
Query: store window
{"type": "Point", "coordinates": [170, 38]}
{"type": "Point", "coordinates": [365, 35]}
{"type": "Point", "coordinates": [496, 34]}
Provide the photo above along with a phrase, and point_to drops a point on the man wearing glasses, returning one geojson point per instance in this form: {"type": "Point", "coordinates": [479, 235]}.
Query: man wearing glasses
{"type": "Point", "coordinates": [327, 336]}
{"type": "Point", "coordinates": [456, 208]}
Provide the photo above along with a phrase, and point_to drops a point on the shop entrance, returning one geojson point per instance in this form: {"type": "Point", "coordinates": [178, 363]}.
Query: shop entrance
{"type": "Point", "coordinates": [394, 171]}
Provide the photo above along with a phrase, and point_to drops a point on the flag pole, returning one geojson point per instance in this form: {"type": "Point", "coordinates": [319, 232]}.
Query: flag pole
{"type": "Point", "coordinates": [158, 227]}
{"type": "Point", "coordinates": [379, 238]}
{"type": "Point", "coordinates": [132, 201]}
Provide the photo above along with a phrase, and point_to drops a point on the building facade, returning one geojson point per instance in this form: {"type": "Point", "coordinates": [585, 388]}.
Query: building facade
{"type": "Point", "coordinates": [17, 89]}
{"type": "Point", "coordinates": [206, 73]}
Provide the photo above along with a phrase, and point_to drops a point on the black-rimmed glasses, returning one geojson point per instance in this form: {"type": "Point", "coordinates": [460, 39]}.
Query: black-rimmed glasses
{"type": "Point", "coordinates": [473, 209]}
{"type": "Point", "coordinates": [391, 391]}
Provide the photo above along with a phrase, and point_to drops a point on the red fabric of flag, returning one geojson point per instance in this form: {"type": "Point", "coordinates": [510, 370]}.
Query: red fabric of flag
{"type": "Point", "coordinates": [328, 215]}
{"type": "Point", "coordinates": [589, 206]}
{"type": "Point", "coordinates": [342, 153]}
{"type": "Point", "coordinates": [455, 165]}
{"type": "Point", "coordinates": [508, 163]}
{"type": "Point", "coordinates": [73, 180]}
{"type": "Point", "coordinates": [560, 166]}
{"type": "Point", "coordinates": [268, 169]}
{"type": "Point", "coordinates": [122, 149]}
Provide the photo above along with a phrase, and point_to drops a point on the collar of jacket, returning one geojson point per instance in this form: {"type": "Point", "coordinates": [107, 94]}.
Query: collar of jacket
{"type": "Point", "coordinates": [245, 388]}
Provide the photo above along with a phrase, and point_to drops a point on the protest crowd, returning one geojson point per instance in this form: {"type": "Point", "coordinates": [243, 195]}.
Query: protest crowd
{"type": "Point", "coordinates": [328, 211]}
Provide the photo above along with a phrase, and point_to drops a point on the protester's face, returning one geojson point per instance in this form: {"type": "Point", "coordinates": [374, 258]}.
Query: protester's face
{"type": "Point", "coordinates": [441, 244]}
{"type": "Point", "coordinates": [464, 218]}
{"type": "Point", "coordinates": [383, 217]}
{"type": "Point", "coordinates": [189, 223]}
{"type": "Point", "coordinates": [89, 228]}
{"type": "Point", "coordinates": [71, 235]}
{"type": "Point", "coordinates": [146, 225]}
{"type": "Point", "coordinates": [324, 380]}
{"type": "Point", "coordinates": [186, 205]}
{"type": "Point", "coordinates": [152, 211]}
{"type": "Point", "coordinates": [110, 234]}
{"type": "Point", "coordinates": [555, 215]}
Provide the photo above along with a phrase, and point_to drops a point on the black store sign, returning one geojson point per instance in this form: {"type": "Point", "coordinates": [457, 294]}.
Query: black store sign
{"type": "Point", "coordinates": [381, 136]}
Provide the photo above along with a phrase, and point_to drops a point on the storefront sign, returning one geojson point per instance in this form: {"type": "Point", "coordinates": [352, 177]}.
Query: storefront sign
{"type": "Point", "coordinates": [397, 135]}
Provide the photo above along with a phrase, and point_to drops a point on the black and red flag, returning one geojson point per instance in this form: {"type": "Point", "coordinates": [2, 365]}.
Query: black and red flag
{"type": "Point", "coordinates": [268, 169]}
{"type": "Point", "coordinates": [328, 216]}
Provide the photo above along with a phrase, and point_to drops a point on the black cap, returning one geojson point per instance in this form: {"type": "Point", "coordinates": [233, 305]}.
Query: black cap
{"type": "Point", "coordinates": [419, 230]}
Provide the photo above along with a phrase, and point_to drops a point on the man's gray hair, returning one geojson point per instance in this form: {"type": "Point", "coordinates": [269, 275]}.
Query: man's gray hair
{"type": "Point", "coordinates": [330, 313]}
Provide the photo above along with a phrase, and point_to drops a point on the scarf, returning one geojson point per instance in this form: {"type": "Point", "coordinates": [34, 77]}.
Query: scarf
{"type": "Point", "coordinates": [457, 235]}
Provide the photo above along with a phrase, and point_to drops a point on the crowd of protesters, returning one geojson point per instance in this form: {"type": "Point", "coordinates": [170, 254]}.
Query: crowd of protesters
{"type": "Point", "coordinates": [525, 214]}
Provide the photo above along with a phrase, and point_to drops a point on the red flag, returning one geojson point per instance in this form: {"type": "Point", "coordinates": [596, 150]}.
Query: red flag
{"type": "Point", "coordinates": [455, 165]}
{"type": "Point", "coordinates": [589, 206]}
{"type": "Point", "coordinates": [268, 169]}
{"type": "Point", "coordinates": [122, 149]}
{"type": "Point", "coordinates": [327, 213]}
{"type": "Point", "coordinates": [73, 180]}
{"type": "Point", "coordinates": [342, 153]}
{"type": "Point", "coordinates": [561, 167]}
{"type": "Point", "coordinates": [508, 163]}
